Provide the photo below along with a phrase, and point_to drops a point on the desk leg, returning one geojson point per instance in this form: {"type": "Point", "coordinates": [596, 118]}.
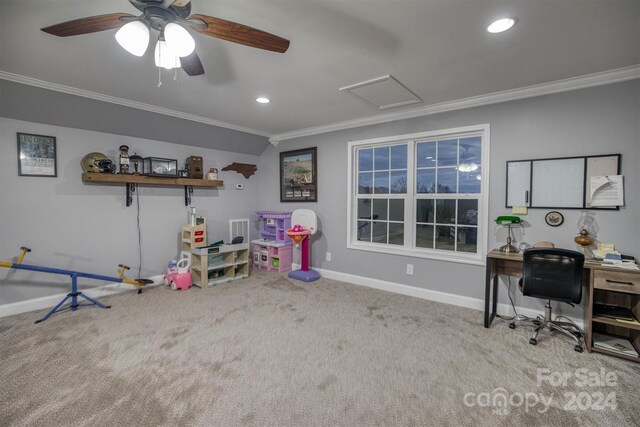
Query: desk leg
{"type": "Point", "coordinates": [490, 302]}
{"type": "Point", "coordinates": [494, 310]}
{"type": "Point", "coordinates": [487, 293]}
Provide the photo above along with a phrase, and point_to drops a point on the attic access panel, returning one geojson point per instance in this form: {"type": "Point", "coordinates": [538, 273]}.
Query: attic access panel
{"type": "Point", "coordinates": [383, 93]}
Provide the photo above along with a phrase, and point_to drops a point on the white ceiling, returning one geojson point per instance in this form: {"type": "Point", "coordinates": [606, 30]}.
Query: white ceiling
{"type": "Point", "coordinates": [439, 49]}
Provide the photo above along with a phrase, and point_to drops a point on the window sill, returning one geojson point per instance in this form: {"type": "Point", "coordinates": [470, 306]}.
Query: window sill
{"type": "Point", "coordinates": [448, 256]}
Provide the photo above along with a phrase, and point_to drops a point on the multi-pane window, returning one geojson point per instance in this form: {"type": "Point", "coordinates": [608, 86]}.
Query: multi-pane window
{"type": "Point", "coordinates": [420, 193]}
{"type": "Point", "coordinates": [382, 179]}
{"type": "Point", "coordinates": [448, 178]}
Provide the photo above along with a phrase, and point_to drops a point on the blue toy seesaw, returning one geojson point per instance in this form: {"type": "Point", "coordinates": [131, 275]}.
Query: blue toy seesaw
{"type": "Point", "coordinates": [74, 294]}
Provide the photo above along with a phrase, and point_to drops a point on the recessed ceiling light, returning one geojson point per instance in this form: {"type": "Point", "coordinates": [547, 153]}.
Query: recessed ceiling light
{"type": "Point", "coordinates": [263, 100]}
{"type": "Point", "coordinates": [501, 25]}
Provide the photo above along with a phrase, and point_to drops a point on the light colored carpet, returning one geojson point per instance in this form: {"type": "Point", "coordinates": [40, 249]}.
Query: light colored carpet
{"type": "Point", "coordinates": [269, 351]}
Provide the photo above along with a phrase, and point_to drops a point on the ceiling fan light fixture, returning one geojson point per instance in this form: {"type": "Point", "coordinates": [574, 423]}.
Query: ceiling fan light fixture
{"type": "Point", "coordinates": [165, 57]}
{"type": "Point", "coordinates": [263, 100]}
{"type": "Point", "coordinates": [178, 39]}
{"type": "Point", "coordinates": [134, 38]}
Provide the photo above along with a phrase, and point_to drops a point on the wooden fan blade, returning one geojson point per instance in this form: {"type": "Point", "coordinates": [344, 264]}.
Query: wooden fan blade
{"type": "Point", "coordinates": [191, 65]}
{"type": "Point", "coordinates": [92, 24]}
{"type": "Point", "coordinates": [238, 33]}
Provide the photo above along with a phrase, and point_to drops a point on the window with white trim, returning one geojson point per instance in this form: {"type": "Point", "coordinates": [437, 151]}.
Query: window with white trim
{"type": "Point", "coordinates": [422, 195]}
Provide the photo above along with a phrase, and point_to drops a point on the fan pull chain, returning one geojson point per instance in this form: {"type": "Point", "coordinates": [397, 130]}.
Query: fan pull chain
{"type": "Point", "coordinates": [159, 76]}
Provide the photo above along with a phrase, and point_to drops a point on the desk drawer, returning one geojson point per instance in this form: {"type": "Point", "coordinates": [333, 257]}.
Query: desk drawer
{"type": "Point", "coordinates": [619, 281]}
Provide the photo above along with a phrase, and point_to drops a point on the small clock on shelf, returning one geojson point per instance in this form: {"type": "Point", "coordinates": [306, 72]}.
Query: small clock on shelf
{"type": "Point", "coordinates": [554, 218]}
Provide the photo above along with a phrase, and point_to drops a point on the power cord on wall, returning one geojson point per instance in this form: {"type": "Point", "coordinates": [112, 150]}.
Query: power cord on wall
{"type": "Point", "coordinates": [512, 304]}
{"type": "Point", "coordinates": [139, 232]}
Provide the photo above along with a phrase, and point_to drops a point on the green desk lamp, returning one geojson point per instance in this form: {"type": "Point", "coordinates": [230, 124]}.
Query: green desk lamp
{"type": "Point", "coordinates": [508, 221]}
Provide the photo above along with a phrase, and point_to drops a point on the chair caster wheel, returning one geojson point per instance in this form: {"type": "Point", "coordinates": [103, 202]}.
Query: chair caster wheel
{"type": "Point", "coordinates": [512, 325]}
{"type": "Point", "coordinates": [533, 341]}
{"type": "Point", "coordinates": [578, 348]}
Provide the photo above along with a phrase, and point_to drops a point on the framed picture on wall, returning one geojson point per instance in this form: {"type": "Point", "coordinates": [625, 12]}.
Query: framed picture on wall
{"type": "Point", "coordinates": [298, 175]}
{"type": "Point", "coordinates": [36, 155]}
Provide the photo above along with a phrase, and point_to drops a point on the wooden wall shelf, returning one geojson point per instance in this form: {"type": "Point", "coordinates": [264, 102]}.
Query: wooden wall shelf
{"type": "Point", "coordinates": [132, 181]}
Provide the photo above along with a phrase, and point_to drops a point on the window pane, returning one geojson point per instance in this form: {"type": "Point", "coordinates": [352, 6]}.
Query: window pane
{"type": "Point", "coordinates": [381, 158]}
{"type": "Point", "coordinates": [379, 232]}
{"type": "Point", "coordinates": [365, 160]}
{"type": "Point", "coordinates": [470, 150]}
{"type": "Point", "coordinates": [380, 209]}
{"type": "Point", "coordinates": [469, 182]}
{"type": "Point", "coordinates": [399, 182]}
{"type": "Point", "coordinates": [448, 153]}
{"type": "Point", "coordinates": [447, 178]}
{"type": "Point", "coordinates": [446, 211]}
{"type": "Point", "coordinates": [365, 183]}
{"type": "Point", "coordinates": [396, 233]}
{"type": "Point", "coordinates": [381, 183]}
{"type": "Point", "coordinates": [399, 157]}
{"type": "Point", "coordinates": [426, 154]}
{"type": "Point", "coordinates": [364, 231]}
{"type": "Point", "coordinates": [467, 212]}
{"type": "Point", "coordinates": [424, 236]}
{"type": "Point", "coordinates": [364, 208]}
{"type": "Point", "coordinates": [467, 239]}
{"type": "Point", "coordinates": [424, 211]}
{"type": "Point", "coordinates": [445, 237]}
{"type": "Point", "coordinates": [426, 181]}
{"type": "Point", "coordinates": [396, 210]}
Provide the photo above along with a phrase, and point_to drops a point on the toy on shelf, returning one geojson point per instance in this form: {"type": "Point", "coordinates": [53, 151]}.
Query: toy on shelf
{"type": "Point", "coordinates": [273, 251]}
{"type": "Point", "coordinates": [74, 294]}
{"type": "Point", "coordinates": [178, 275]}
{"type": "Point", "coordinates": [306, 224]}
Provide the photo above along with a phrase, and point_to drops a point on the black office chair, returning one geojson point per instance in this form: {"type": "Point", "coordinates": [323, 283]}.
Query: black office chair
{"type": "Point", "coordinates": [552, 274]}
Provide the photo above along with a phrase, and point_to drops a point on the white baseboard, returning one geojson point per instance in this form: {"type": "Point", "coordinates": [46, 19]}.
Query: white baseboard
{"type": "Point", "coordinates": [431, 295]}
{"type": "Point", "coordinates": [51, 300]}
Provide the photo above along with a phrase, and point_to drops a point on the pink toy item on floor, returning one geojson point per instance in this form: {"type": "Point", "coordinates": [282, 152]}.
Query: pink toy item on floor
{"type": "Point", "coordinates": [178, 276]}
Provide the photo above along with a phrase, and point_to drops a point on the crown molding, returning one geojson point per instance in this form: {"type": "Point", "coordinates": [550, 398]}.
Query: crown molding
{"type": "Point", "coordinates": [124, 102]}
{"type": "Point", "coordinates": [565, 85]}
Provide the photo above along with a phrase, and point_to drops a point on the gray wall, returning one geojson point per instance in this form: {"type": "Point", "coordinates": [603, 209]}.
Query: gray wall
{"type": "Point", "coordinates": [600, 120]}
{"type": "Point", "coordinates": [34, 104]}
{"type": "Point", "coordinates": [87, 227]}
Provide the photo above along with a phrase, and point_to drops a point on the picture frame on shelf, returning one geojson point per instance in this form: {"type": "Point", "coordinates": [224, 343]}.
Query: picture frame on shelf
{"type": "Point", "coordinates": [298, 175]}
{"type": "Point", "coordinates": [37, 155]}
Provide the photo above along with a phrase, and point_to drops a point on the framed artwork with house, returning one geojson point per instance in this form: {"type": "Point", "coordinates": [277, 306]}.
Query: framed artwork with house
{"type": "Point", "coordinates": [298, 175]}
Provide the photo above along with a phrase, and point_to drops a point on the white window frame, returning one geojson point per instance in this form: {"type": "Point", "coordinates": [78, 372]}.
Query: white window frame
{"type": "Point", "coordinates": [409, 249]}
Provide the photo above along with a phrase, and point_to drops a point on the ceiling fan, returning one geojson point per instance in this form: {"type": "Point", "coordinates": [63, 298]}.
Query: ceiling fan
{"type": "Point", "coordinates": [175, 47]}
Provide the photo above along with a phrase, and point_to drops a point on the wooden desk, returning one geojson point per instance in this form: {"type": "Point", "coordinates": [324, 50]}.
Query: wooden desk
{"type": "Point", "coordinates": [606, 284]}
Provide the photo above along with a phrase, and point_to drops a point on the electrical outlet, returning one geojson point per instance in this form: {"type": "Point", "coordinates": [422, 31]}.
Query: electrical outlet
{"type": "Point", "coordinates": [328, 257]}
{"type": "Point", "coordinates": [239, 186]}
{"type": "Point", "coordinates": [410, 269]}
